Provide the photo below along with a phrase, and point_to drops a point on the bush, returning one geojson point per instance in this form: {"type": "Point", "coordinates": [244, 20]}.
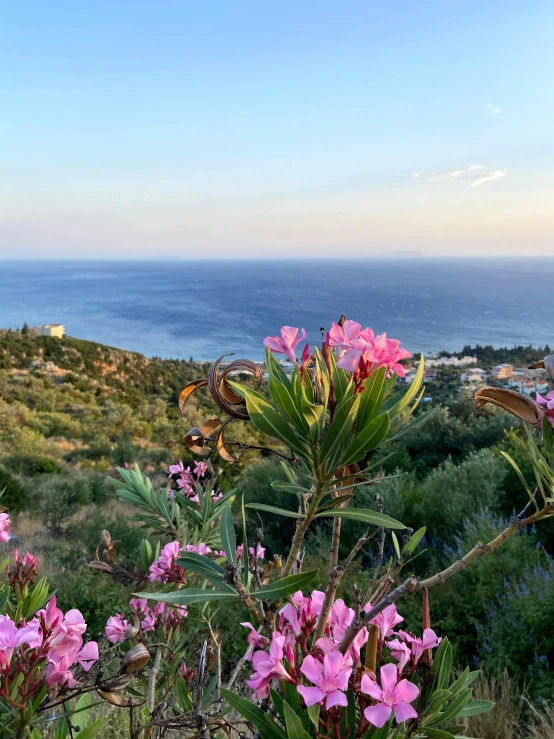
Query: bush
{"type": "Point", "coordinates": [32, 464]}
{"type": "Point", "coordinates": [15, 497]}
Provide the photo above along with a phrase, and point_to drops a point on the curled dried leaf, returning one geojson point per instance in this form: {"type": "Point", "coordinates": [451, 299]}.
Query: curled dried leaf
{"type": "Point", "coordinates": [547, 363]}
{"type": "Point", "coordinates": [196, 438]}
{"type": "Point", "coordinates": [136, 659]}
{"type": "Point", "coordinates": [122, 701]}
{"type": "Point", "coordinates": [515, 403]}
{"type": "Point", "coordinates": [188, 391]}
{"type": "Point", "coordinates": [224, 453]}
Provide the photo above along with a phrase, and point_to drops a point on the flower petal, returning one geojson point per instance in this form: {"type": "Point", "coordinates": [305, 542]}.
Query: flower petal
{"type": "Point", "coordinates": [370, 687]}
{"type": "Point", "coordinates": [312, 669]}
{"type": "Point", "coordinates": [335, 698]}
{"type": "Point", "coordinates": [378, 715]}
{"type": "Point", "coordinates": [311, 695]}
{"type": "Point", "coordinates": [405, 691]}
{"type": "Point", "coordinates": [403, 711]}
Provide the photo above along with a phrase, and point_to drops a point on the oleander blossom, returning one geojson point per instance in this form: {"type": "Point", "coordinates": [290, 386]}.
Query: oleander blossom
{"type": "Point", "coordinates": [547, 402]}
{"type": "Point", "coordinates": [393, 696]}
{"type": "Point", "coordinates": [116, 628]}
{"type": "Point", "coordinates": [361, 352]}
{"type": "Point", "coordinates": [286, 343]}
{"type": "Point", "coordinates": [12, 637]}
{"type": "Point", "coordinates": [165, 569]}
{"type": "Point", "coordinates": [268, 666]}
{"type": "Point", "coordinates": [5, 524]}
{"type": "Point", "coordinates": [429, 640]}
{"type": "Point", "coordinates": [330, 678]}
{"type": "Point", "coordinates": [386, 620]}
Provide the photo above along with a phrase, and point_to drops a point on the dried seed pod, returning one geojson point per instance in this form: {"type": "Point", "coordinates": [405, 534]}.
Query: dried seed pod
{"type": "Point", "coordinates": [96, 564]}
{"type": "Point", "coordinates": [105, 539]}
{"type": "Point", "coordinates": [515, 403]}
{"type": "Point", "coordinates": [122, 701]}
{"type": "Point", "coordinates": [136, 659]}
{"type": "Point", "coordinates": [131, 631]}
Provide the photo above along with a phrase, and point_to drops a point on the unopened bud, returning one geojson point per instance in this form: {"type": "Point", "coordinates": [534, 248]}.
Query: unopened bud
{"type": "Point", "coordinates": [135, 659]}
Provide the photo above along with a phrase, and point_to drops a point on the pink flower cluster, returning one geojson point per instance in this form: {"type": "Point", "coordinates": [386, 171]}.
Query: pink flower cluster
{"type": "Point", "coordinates": [118, 628]}
{"type": "Point", "coordinates": [329, 671]}
{"type": "Point", "coordinates": [5, 524]}
{"type": "Point", "coordinates": [187, 481]}
{"type": "Point", "coordinates": [361, 352]}
{"type": "Point", "coordinates": [53, 637]}
{"type": "Point", "coordinates": [165, 569]}
{"type": "Point", "coordinates": [548, 403]}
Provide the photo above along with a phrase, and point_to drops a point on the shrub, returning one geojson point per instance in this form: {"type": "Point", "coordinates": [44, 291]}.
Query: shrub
{"type": "Point", "coordinates": [15, 497]}
{"type": "Point", "coordinates": [32, 464]}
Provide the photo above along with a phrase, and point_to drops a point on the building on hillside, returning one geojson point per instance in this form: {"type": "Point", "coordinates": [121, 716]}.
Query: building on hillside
{"type": "Point", "coordinates": [502, 371]}
{"type": "Point", "coordinates": [429, 374]}
{"type": "Point", "coordinates": [476, 375]}
{"type": "Point", "coordinates": [451, 361]}
{"type": "Point", "coordinates": [528, 387]}
{"type": "Point", "coordinates": [57, 330]}
{"type": "Point", "coordinates": [541, 387]}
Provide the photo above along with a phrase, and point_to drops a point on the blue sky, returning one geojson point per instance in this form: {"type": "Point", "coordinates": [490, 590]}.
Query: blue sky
{"type": "Point", "coordinates": [223, 127]}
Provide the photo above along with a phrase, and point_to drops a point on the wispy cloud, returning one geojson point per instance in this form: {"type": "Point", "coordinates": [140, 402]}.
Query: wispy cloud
{"type": "Point", "coordinates": [493, 109]}
{"type": "Point", "coordinates": [488, 177]}
{"type": "Point", "coordinates": [453, 174]}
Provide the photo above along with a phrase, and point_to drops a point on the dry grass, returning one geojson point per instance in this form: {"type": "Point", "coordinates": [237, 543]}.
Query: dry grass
{"type": "Point", "coordinates": [506, 719]}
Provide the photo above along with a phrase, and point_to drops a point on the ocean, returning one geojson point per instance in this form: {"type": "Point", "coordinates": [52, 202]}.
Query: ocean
{"type": "Point", "coordinates": [204, 309]}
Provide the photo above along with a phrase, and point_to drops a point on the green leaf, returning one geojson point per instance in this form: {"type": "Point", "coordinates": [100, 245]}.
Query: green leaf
{"type": "Point", "coordinates": [82, 707]}
{"type": "Point", "coordinates": [183, 696]}
{"type": "Point", "coordinates": [189, 596]}
{"type": "Point", "coordinates": [367, 439]}
{"type": "Point", "coordinates": [342, 381]}
{"type": "Point", "coordinates": [476, 707]}
{"type": "Point", "coordinates": [295, 729]}
{"type": "Point", "coordinates": [228, 539]}
{"type": "Point", "coordinates": [460, 682]}
{"type": "Point", "coordinates": [414, 540]}
{"type": "Point", "coordinates": [276, 511]}
{"type": "Point", "coordinates": [365, 515]}
{"type": "Point", "coordinates": [280, 391]}
{"type": "Point", "coordinates": [395, 544]}
{"type": "Point", "coordinates": [285, 586]}
{"type": "Point", "coordinates": [201, 565]}
{"type": "Point", "coordinates": [254, 715]}
{"type": "Point", "coordinates": [292, 697]}
{"type": "Point", "coordinates": [395, 405]}
{"type": "Point", "coordinates": [289, 487]}
{"type": "Point", "coordinates": [339, 429]}
{"type": "Point", "coordinates": [313, 713]}
{"type": "Point", "coordinates": [289, 472]}
{"type": "Point", "coordinates": [92, 729]}
{"type": "Point", "coordinates": [438, 734]}
{"type": "Point", "coordinates": [371, 398]}
{"type": "Point", "coordinates": [268, 420]}
{"type": "Point", "coordinates": [453, 709]}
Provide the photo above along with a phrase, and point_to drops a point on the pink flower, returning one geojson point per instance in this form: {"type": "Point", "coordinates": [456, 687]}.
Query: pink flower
{"type": "Point", "coordinates": [548, 403]}
{"type": "Point", "coordinates": [400, 651]}
{"type": "Point", "coordinates": [393, 696]}
{"type": "Point", "coordinates": [116, 628]}
{"type": "Point", "coordinates": [176, 469]}
{"type": "Point", "coordinates": [260, 551]}
{"type": "Point", "coordinates": [12, 637]}
{"type": "Point", "coordinates": [199, 549]}
{"type": "Point", "coordinates": [429, 641]}
{"type": "Point", "coordinates": [385, 620]}
{"type": "Point", "coordinates": [30, 561]}
{"type": "Point", "coordinates": [148, 623]}
{"type": "Point", "coordinates": [287, 343]}
{"type": "Point", "coordinates": [268, 667]}
{"type": "Point", "coordinates": [240, 550]}
{"type": "Point", "coordinates": [51, 615]}
{"type": "Point", "coordinates": [330, 678]}
{"type": "Point", "coordinates": [164, 569]}
{"type": "Point", "coordinates": [255, 639]}
{"type": "Point", "coordinates": [340, 618]}
{"type": "Point", "coordinates": [139, 606]}
{"type": "Point", "coordinates": [200, 469]}
{"type": "Point", "coordinates": [4, 527]}
{"type": "Point", "coordinates": [363, 352]}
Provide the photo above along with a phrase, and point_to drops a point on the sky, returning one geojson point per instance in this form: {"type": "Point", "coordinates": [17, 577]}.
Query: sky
{"type": "Point", "coordinates": [197, 130]}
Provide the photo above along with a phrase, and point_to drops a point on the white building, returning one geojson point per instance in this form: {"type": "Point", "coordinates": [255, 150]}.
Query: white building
{"type": "Point", "coordinates": [451, 362]}
{"type": "Point", "coordinates": [57, 330]}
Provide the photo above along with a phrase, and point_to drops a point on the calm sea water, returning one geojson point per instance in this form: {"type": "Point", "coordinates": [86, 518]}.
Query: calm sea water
{"type": "Point", "coordinates": [203, 309]}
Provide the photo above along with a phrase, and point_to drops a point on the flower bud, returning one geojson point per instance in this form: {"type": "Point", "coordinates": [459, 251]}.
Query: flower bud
{"type": "Point", "coordinates": [135, 659]}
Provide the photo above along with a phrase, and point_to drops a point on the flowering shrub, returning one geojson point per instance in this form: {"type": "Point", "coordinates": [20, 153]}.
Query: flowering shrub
{"type": "Point", "coordinates": [316, 666]}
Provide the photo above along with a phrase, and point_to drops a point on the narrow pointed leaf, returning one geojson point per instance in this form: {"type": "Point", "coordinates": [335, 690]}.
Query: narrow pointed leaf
{"type": "Point", "coordinates": [275, 510]}
{"type": "Point", "coordinates": [364, 515]}
{"type": "Point", "coordinates": [285, 586]}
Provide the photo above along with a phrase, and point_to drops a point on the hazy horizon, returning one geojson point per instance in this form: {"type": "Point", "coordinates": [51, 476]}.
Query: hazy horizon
{"type": "Point", "coordinates": [142, 130]}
